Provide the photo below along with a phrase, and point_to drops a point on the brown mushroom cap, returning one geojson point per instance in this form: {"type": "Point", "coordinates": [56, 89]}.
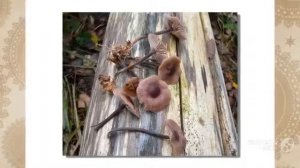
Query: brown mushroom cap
{"type": "Point", "coordinates": [169, 70]}
{"type": "Point", "coordinates": [153, 93]}
{"type": "Point", "coordinates": [177, 139]}
{"type": "Point", "coordinates": [161, 52]}
{"type": "Point", "coordinates": [130, 86]}
{"type": "Point", "coordinates": [127, 101]}
{"type": "Point", "coordinates": [153, 41]}
{"type": "Point", "coordinates": [177, 27]}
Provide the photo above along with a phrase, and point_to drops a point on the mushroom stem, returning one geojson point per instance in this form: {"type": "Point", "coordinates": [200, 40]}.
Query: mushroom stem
{"type": "Point", "coordinates": [158, 135]}
{"type": "Point", "coordinates": [146, 35]}
{"type": "Point", "coordinates": [112, 115]}
{"type": "Point", "coordinates": [130, 66]}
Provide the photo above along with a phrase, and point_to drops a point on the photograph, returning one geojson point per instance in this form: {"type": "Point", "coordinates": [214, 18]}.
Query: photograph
{"type": "Point", "coordinates": [151, 84]}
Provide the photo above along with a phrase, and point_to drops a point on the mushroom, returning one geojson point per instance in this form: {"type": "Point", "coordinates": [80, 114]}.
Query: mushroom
{"type": "Point", "coordinates": [177, 139]}
{"type": "Point", "coordinates": [175, 135]}
{"type": "Point", "coordinates": [169, 70]}
{"type": "Point", "coordinates": [161, 52]}
{"type": "Point", "coordinates": [178, 30]}
{"type": "Point", "coordinates": [153, 41]}
{"type": "Point", "coordinates": [130, 86]}
{"type": "Point", "coordinates": [153, 93]}
{"type": "Point", "coordinates": [159, 47]}
{"type": "Point", "coordinates": [127, 101]}
{"type": "Point", "coordinates": [124, 94]}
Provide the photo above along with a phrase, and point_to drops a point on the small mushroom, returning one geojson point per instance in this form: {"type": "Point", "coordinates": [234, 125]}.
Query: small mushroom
{"type": "Point", "coordinates": [153, 93]}
{"type": "Point", "coordinates": [175, 135]}
{"type": "Point", "coordinates": [178, 30]}
{"type": "Point", "coordinates": [169, 70]}
{"type": "Point", "coordinates": [153, 41]}
{"type": "Point", "coordinates": [130, 86]}
{"type": "Point", "coordinates": [124, 95]}
{"type": "Point", "coordinates": [161, 52]}
{"type": "Point", "coordinates": [177, 139]}
{"type": "Point", "coordinates": [127, 101]}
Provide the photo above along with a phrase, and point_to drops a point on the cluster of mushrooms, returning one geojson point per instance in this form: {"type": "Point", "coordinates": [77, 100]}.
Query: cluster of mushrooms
{"type": "Point", "coordinates": [153, 91]}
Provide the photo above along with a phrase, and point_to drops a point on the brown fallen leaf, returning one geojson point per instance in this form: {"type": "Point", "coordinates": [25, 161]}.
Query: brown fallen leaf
{"type": "Point", "coordinates": [81, 104]}
{"type": "Point", "coordinates": [106, 83]}
{"type": "Point", "coordinates": [85, 98]}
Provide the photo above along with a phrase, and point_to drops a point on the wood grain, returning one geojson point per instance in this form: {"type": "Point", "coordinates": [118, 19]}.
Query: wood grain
{"type": "Point", "coordinates": [200, 123]}
{"type": "Point", "coordinates": [196, 105]}
{"type": "Point", "coordinates": [227, 128]}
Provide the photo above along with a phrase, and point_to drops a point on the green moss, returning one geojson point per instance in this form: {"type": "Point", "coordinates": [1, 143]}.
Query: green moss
{"type": "Point", "coordinates": [186, 108]}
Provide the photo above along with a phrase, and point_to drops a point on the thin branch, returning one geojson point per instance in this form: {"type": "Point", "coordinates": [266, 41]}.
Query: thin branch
{"type": "Point", "coordinates": [136, 63]}
{"type": "Point", "coordinates": [146, 35]}
{"type": "Point", "coordinates": [78, 66]}
{"type": "Point", "coordinates": [112, 115]}
{"type": "Point", "coordinates": [158, 135]}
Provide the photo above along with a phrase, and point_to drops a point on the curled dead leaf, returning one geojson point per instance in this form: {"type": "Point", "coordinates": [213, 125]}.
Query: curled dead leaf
{"type": "Point", "coordinates": [106, 83]}
{"type": "Point", "coordinates": [85, 98]}
{"type": "Point", "coordinates": [80, 104]}
{"type": "Point", "coordinates": [119, 52]}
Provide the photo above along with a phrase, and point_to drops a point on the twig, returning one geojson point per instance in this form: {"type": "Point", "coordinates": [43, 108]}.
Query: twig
{"type": "Point", "coordinates": [136, 63]}
{"type": "Point", "coordinates": [101, 24]}
{"type": "Point", "coordinates": [112, 115]}
{"type": "Point", "coordinates": [78, 66]}
{"type": "Point", "coordinates": [146, 35]}
{"type": "Point", "coordinates": [158, 135]}
{"type": "Point", "coordinates": [77, 122]}
{"type": "Point", "coordinates": [100, 45]}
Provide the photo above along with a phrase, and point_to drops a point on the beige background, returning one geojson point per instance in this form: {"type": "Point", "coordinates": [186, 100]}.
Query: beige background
{"type": "Point", "coordinates": [287, 79]}
{"type": "Point", "coordinates": [12, 75]}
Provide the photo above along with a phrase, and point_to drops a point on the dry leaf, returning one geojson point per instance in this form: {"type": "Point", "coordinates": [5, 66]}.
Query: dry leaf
{"type": "Point", "coordinates": [106, 83]}
{"type": "Point", "coordinates": [119, 52]}
{"type": "Point", "coordinates": [80, 104]}
{"type": "Point", "coordinates": [85, 98]}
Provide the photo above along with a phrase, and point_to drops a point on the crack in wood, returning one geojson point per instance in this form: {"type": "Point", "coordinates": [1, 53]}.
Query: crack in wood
{"type": "Point", "coordinates": [204, 79]}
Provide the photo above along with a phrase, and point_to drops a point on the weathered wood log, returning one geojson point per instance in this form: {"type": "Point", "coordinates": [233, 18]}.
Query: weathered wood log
{"type": "Point", "coordinates": [227, 127]}
{"type": "Point", "coordinates": [198, 102]}
{"type": "Point", "coordinates": [122, 27]}
{"type": "Point", "coordinates": [193, 104]}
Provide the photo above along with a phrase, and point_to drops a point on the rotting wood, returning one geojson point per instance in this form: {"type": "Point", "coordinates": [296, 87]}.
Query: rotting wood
{"type": "Point", "coordinates": [194, 96]}
{"type": "Point", "coordinates": [227, 127]}
{"type": "Point", "coordinates": [122, 27]}
{"type": "Point", "coordinates": [198, 102]}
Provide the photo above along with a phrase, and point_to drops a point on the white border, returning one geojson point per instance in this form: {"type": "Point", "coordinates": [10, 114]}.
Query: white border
{"type": "Point", "coordinates": [44, 81]}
